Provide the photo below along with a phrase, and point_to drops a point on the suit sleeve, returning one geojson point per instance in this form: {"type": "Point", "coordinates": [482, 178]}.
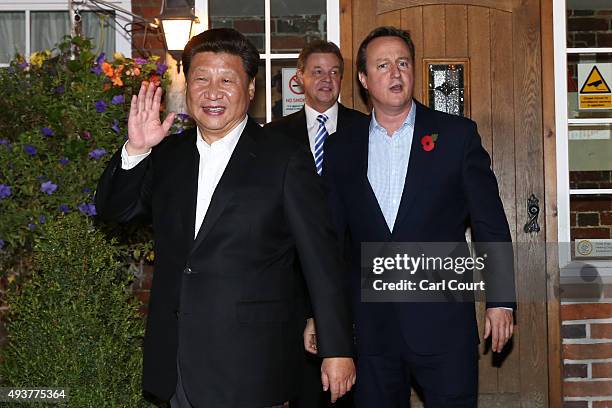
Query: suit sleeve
{"type": "Point", "coordinates": [319, 252]}
{"type": "Point", "coordinates": [125, 195]}
{"type": "Point", "coordinates": [488, 221]}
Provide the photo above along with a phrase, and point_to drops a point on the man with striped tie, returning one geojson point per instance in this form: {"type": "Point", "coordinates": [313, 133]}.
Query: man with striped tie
{"type": "Point", "coordinates": [319, 70]}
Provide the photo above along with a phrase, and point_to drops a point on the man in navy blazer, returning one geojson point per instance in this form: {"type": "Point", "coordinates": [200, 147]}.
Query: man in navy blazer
{"type": "Point", "coordinates": [410, 174]}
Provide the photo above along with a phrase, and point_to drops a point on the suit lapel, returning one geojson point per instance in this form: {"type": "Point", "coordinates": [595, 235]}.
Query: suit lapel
{"type": "Point", "coordinates": [188, 172]}
{"type": "Point", "coordinates": [299, 129]}
{"type": "Point", "coordinates": [416, 164]}
{"type": "Point", "coordinates": [236, 170]}
{"type": "Point", "coordinates": [361, 142]}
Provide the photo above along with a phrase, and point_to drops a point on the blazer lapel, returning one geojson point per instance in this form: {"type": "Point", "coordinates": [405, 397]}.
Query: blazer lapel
{"type": "Point", "coordinates": [188, 172]}
{"type": "Point", "coordinates": [299, 129]}
{"type": "Point", "coordinates": [416, 164]}
{"type": "Point", "coordinates": [236, 170]}
{"type": "Point", "coordinates": [370, 201]}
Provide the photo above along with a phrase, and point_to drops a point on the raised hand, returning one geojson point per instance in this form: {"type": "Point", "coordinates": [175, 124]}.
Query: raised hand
{"type": "Point", "coordinates": [145, 129]}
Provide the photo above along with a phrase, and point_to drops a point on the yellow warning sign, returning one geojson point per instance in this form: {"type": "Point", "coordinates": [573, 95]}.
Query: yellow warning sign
{"type": "Point", "coordinates": [594, 91]}
{"type": "Point", "coordinates": [595, 83]}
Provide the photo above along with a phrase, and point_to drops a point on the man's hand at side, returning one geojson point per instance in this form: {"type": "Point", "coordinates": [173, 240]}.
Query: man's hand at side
{"type": "Point", "coordinates": [500, 324]}
{"type": "Point", "coordinates": [145, 129]}
{"type": "Point", "coordinates": [337, 375]}
{"type": "Point", "coordinates": [310, 336]}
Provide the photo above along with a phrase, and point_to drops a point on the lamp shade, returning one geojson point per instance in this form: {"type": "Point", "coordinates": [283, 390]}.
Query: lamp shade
{"type": "Point", "coordinates": [177, 33]}
{"type": "Point", "coordinates": [177, 18]}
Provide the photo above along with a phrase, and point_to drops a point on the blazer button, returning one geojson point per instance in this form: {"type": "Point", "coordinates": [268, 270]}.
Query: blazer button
{"type": "Point", "coordinates": [188, 271]}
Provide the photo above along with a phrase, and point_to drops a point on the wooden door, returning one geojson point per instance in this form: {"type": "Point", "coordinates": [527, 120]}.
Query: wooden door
{"type": "Point", "coordinates": [501, 39]}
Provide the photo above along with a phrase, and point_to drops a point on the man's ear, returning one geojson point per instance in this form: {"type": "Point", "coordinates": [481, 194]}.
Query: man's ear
{"type": "Point", "coordinates": [300, 76]}
{"type": "Point", "coordinates": [363, 79]}
{"type": "Point", "coordinates": [252, 89]}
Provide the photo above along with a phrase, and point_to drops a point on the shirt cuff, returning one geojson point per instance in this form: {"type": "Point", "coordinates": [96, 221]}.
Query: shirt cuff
{"type": "Point", "coordinates": [129, 162]}
{"type": "Point", "coordinates": [501, 307]}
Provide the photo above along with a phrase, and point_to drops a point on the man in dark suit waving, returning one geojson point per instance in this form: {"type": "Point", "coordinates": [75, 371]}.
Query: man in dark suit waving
{"type": "Point", "coordinates": [411, 174]}
{"type": "Point", "coordinates": [232, 207]}
{"type": "Point", "coordinates": [319, 70]}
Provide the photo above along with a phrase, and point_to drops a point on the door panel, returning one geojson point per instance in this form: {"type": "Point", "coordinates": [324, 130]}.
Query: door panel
{"type": "Point", "coordinates": [502, 40]}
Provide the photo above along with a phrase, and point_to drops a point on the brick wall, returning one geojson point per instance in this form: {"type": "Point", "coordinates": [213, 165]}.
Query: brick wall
{"type": "Point", "coordinates": [587, 354]}
{"type": "Point", "coordinates": [149, 42]}
{"type": "Point", "coordinates": [591, 215]}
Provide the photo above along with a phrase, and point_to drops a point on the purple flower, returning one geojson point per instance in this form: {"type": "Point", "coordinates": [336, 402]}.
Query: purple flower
{"type": "Point", "coordinates": [48, 187]}
{"type": "Point", "coordinates": [64, 209]}
{"type": "Point", "coordinates": [97, 70]}
{"type": "Point", "coordinates": [23, 65]}
{"type": "Point", "coordinates": [87, 209]}
{"type": "Point", "coordinates": [47, 131]}
{"type": "Point", "coordinates": [31, 226]}
{"type": "Point", "coordinates": [117, 100]}
{"type": "Point", "coordinates": [42, 219]}
{"type": "Point", "coordinates": [29, 149]}
{"type": "Point", "coordinates": [115, 126]}
{"type": "Point", "coordinates": [5, 191]}
{"type": "Point", "coordinates": [2, 243]}
{"type": "Point", "coordinates": [140, 61]}
{"type": "Point", "coordinates": [64, 161]}
{"type": "Point", "coordinates": [86, 135]}
{"type": "Point", "coordinates": [60, 90]}
{"type": "Point", "coordinates": [101, 106]}
{"type": "Point", "coordinates": [182, 116]}
{"type": "Point", "coordinates": [161, 68]}
{"type": "Point", "coordinates": [4, 142]}
{"type": "Point", "coordinates": [96, 154]}
{"type": "Point", "coordinates": [101, 58]}
{"type": "Point", "coordinates": [86, 190]}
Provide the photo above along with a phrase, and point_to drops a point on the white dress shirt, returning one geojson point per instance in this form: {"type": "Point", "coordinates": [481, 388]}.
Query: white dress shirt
{"type": "Point", "coordinates": [312, 125]}
{"type": "Point", "coordinates": [213, 161]}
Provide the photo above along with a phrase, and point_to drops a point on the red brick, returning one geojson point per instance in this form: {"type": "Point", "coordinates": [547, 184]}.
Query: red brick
{"type": "Point", "coordinates": [587, 24]}
{"type": "Point", "coordinates": [583, 40]}
{"type": "Point", "coordinates": [601, 331]}
{"type": "Point", "coordinates": [573, 217]}
{"type": "Point", "coordinates": [575, 371]}
{"type": "Point", "coordinates": [582, 311]}
{"type": "Point", "coordinates": [593, 233]}
{"type": "Point", "coordinates": [250, 26]}
{"type": "Point", "coordinates": [288, 42]}
{"type": "Point", "coordinates": [590, 203]}
{"type": "Point", "coordinates": [587, 388]}
{"type": "Point", "coordinates": [606, 218]}
{"type": "Point", "coordinates": [143, 296]}
{"type": "Point", "coordinates": [587, 352]}
{"type": "Point", "coordinates": [602, 370]}
{"type": "Point", "coordinates": [604, 40]}
{"type": "Point", "coordinates": [588, 219]}
{"type": "Point", "coordinates": [575, 404]}
{"type": "Point", "coordinates": [602, 404]}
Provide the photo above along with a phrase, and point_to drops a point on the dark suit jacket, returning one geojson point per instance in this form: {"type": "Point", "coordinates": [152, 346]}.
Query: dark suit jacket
{"type": "Point", "coordinates": [234, 288]}
{"type": "Point", "coordinates": [446, 190]}
{"type": "Point", "coordinates": [294, 125]}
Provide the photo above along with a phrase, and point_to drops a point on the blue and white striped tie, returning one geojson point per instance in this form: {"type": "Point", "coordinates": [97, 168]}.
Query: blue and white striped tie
{"type": "Point", "coordinates": [319, 140]}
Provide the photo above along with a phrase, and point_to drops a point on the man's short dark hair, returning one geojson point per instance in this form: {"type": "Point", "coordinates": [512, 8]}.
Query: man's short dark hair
{"type": "Point", "coordinates": [382, 32]}
{"type": "Point", "coordinates": [223, 40]}
{"type": "Point", "coordinates": [322, 47]}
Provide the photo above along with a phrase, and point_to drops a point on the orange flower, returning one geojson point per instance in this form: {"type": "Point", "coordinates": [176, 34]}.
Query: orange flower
{"type": "Point", "coordinates": [106, 87]}
{"type": "Point", "coordinates": [155, 79]}
{"type": "Point", "coordinates": [116, 79]}
{"type": "Point", "coordinates": [108, 69]}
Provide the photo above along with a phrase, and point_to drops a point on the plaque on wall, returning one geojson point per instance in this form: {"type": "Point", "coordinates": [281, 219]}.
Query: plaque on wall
{"type": "Point", "coordinates": [446, 85]}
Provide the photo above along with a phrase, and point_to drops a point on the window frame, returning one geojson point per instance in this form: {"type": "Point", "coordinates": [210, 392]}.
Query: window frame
{"type": "Point", "coordinates": [123, 43]}
{"type": "Point", "coordinates": [333, 34]}
{"type": "Point", "coordinates": [569, 267]}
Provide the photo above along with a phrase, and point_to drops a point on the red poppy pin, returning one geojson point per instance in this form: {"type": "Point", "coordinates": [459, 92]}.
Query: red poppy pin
{"type": "Point", "coordinates": [429, 142]}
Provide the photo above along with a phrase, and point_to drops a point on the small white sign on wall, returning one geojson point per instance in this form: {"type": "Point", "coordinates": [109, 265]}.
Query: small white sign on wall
{"type": "Point", "coordinates": [593, 248]}
{"type": "Point", "coordinates": [293, 95]}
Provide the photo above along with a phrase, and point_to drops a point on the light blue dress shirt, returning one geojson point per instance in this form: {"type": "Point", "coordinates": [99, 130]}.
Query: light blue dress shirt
{"type": "Point", "coordinates": [388, 158]}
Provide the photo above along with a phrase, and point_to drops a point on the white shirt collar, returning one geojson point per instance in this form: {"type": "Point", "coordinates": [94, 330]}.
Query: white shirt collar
{"type": "Point", "coordinates": [332, 118]}
{"type": "Point", "coordinates": [227, 142]}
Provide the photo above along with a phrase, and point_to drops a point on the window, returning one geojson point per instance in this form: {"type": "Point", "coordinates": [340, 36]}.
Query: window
{"type": "Point", "coordinates": [27, 26]}
{"type": "Point", "coordinates": [279, 29]}
{"type": "Point", "coordinates": [583, 106]}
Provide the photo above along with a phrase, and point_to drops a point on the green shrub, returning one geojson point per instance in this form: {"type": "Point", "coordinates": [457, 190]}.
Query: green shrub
{"type": "Point", "coordinates": [73, 323]}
